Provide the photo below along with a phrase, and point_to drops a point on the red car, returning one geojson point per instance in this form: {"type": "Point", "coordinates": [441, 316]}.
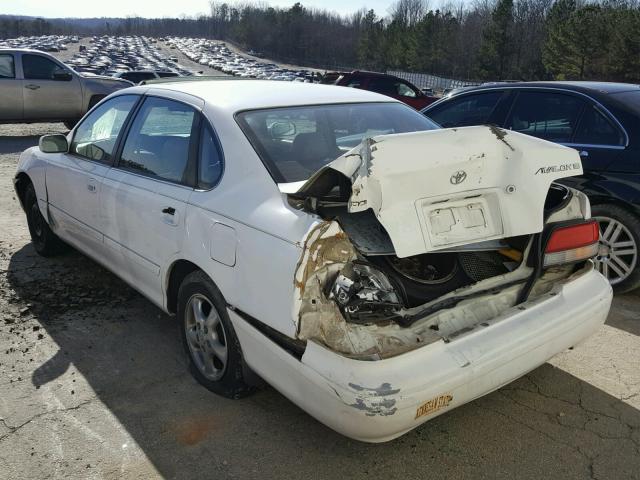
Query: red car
{"type": "Point", "coordinates": [381, 83]}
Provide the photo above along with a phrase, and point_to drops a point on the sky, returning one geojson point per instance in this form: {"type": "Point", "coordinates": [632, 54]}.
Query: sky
{"type": "Point", "coordinates": [160, 8]}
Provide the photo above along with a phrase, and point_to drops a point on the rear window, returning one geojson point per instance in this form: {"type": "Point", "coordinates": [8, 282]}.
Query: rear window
{"type": "Point", "coordinates": [549, 115]}
{"type": "Point", "coordinates": [467, 110]}
{"type": "Point", "coordinates": [295, 142]}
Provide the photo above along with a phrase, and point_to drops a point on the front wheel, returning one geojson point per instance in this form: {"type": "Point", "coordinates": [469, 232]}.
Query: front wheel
{"type": "Point", "coordinates": [44, 240]}
{"type": "Point", "coordinates": [213, 349]}
{"type": "Point", "coordinates": [617, 258]}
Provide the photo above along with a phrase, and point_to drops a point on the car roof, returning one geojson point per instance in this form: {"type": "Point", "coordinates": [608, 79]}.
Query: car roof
{"type": "Point", "coordinates": [597, 88]}
{"type": "Point", "coordinates": [237, 95]}
{"type": "Point", "coordinates": [23, 50]}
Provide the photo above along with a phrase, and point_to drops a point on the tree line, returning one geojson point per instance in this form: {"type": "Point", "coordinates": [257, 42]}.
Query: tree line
{"type": "Point", "coordinates": [482, 40]}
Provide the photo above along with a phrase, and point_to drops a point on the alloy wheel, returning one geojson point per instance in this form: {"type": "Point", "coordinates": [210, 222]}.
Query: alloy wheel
{"type": "Point", "coordinates": [206, 337]}
{"type": "Point", "coordinates": [618, 253]}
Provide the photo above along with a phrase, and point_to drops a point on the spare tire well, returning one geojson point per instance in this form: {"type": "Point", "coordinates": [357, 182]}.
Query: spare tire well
{"type": "Point", "coordinates": [179, 270]}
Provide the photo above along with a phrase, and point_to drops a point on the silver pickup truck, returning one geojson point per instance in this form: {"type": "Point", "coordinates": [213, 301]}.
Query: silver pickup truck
{"type": "Point", "coordinates": [36, 87]}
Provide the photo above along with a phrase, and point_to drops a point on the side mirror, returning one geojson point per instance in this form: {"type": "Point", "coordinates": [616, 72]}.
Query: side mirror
{"type": "Point", "coordinates": [61, 76]}
{"type": "Point", "coordinates": [53, 144]}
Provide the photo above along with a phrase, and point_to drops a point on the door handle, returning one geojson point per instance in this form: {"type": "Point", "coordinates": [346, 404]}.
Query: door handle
{"type": "Point", "coordinates": [31, 86]}
{"type": "Point", "coordinates": [91, 186]}
{"type": "Point", "coordinates": [169, 210]}
{"type": "Point", "coordinates": [584, 153]}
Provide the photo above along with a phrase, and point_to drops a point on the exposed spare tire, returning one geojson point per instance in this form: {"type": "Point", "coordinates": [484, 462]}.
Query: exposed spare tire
{"type": "Point", "coordinates": [422, 278]}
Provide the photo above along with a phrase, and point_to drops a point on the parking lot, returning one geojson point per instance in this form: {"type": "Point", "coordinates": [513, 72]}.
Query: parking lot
{"type": "Point", "coordinates": [94, 385]}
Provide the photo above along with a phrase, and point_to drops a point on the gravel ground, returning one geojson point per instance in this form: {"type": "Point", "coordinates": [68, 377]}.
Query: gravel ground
{"type": "Point", "coordinates": [93, 384]}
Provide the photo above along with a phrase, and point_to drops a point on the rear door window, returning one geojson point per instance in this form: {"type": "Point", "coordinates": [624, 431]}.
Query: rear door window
{"type": "Point", "coordinates": [472, 109]}
{"type": "Point", "coordinates": [549, 115]}
{"type": "Point", "coordinates": [158, 143]}
{"type": "Point", "coordinates": [596, 129]}
{"type": "Point", "coordinates": [7, 66]}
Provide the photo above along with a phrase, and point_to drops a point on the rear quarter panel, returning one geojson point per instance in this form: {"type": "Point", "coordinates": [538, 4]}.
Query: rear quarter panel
{"type": "Point", "coordinates": [243, 233]}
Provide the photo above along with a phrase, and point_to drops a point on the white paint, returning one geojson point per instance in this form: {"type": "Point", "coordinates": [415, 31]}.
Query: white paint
{"type": "Point", "coordinates": [407, 180]}
{"type": "Point", "coordinates": [466, 368]}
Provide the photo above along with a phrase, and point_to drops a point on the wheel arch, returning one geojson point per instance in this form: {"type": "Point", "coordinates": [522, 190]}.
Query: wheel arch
{"type": "Point", "coordinates": [21, 181]}
{"type": "Point", "coordinates": [177, 272]}
{"type": "Point", "coordinates": [597, 200]}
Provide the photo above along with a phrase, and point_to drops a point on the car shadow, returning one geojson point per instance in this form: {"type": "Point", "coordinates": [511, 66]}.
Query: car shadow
{"type": "Point", "coordinates": [548, 424]}
{"type": "Point", "coordinates": [626, 316]}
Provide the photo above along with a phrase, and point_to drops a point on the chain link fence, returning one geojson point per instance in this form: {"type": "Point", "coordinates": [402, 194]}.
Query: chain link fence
{"type": "Point", "coordinates": [424, 80]}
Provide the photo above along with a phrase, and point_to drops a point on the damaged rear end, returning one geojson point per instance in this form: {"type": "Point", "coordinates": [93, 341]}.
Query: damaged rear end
{"type": "Point", "coordinates": [424, 237]}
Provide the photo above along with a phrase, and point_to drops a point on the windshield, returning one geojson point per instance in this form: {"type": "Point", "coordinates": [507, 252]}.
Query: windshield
{"type": "Point", "coordinates": [295, 142]}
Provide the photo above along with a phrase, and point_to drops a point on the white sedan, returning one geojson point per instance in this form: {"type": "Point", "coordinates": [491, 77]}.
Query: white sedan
{"type": "Point", "coordinates": [330, 241]}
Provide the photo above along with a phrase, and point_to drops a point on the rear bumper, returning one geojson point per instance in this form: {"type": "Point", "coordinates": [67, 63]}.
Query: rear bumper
{"type": "Point", "coordinates": [376, 401]}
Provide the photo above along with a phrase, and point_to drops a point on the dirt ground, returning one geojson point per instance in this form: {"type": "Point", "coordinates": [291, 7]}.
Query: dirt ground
{"type": "Point", "coordinates": [93, 384]}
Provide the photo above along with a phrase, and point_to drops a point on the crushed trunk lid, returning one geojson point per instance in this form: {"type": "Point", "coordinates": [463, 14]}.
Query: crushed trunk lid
{"type": "Point", "coordinates": [440, 189]}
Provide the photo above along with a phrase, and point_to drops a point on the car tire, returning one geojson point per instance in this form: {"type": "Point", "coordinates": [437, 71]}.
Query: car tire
{"type": "Point", "coordinates": [45, 242]}
{"type": "Point", "coordinates": [618, 258]}
{"type": "Point", "coordinates": [417, 292]}
{"type": "Point", "coordinates": [208, 336]}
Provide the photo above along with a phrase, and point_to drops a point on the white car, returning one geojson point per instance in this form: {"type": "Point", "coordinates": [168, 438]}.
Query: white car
{"type": "Point", "coordinates": [331, 241]}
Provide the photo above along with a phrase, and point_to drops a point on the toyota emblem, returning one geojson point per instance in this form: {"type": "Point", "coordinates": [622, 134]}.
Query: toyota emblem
{"type": "Point", "coordinates": [458, 177]}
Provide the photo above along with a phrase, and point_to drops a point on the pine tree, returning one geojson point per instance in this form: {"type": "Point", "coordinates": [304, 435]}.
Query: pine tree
{"type": "Point", "coordinates": [496, 49]}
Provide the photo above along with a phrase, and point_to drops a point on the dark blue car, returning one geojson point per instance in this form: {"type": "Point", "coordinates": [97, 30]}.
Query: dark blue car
{"type": "Point", "coordinates": [600, 120]}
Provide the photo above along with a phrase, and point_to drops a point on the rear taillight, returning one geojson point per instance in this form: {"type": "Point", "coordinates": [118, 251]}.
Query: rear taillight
{"type": "Point", "coordinates": [572, 243]}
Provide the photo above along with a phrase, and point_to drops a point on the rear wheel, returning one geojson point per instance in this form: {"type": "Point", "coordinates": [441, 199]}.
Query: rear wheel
{"type": "Point", "coordinates": [617, 258]}
{"type": "Point", "coordinates": [44, 240]}
{"type": "Point", "coordinates": [213, 349]}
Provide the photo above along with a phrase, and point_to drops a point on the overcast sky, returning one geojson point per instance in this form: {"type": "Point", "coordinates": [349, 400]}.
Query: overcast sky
{"type": "Point", "coordinates": [159, 8]}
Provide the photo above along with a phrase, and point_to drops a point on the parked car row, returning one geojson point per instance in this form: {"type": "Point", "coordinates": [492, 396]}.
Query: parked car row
{"type": "Point", "coordinates": [44, 43]}
{"type": "Point", "coordinates": [217, 55]}
{"type": "Point", "coordinates": [116, 55]}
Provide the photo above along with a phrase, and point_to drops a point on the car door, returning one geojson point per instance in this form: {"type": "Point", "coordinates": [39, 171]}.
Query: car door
{"type": "Point", "coordinates": [145, 196]}
{"type": "Point", "coordinates": [555, 115]}
{"type": "Point", "coordinates": [50, 90]}
{"type": "Point", "coordinates": [74, 179]}
{"type": "Point", "coordinates": [599, 139]}
{"type": "Point", "coordinates": [10, 89]}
